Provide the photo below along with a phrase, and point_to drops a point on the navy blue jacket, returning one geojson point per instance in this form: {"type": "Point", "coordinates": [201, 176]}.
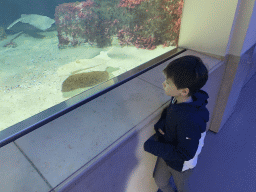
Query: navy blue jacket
{"type": "Point", "coordinates": [183, 125]}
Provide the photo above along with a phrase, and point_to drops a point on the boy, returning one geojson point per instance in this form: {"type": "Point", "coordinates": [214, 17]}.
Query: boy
{"type": "Point", "coordinates": [181, 129]}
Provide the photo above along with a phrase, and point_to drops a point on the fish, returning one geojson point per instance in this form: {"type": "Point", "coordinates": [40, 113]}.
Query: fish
{"type": "Point", "coordinates": [88, 79]}
{"type": "Point", "coordinates": [84, 64]}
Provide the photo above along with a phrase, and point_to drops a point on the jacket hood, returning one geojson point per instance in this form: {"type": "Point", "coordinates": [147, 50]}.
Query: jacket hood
{"type": "Point", "coordinates": [198, 106]}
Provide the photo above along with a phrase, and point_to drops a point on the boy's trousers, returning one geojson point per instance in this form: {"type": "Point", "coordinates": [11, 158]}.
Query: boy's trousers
{"type": "Point", "coordinates": [162, 174]}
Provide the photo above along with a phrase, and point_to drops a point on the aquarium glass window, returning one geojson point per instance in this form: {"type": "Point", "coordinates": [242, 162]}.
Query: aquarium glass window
{"type": "Point", "coordinates": [51, 51]}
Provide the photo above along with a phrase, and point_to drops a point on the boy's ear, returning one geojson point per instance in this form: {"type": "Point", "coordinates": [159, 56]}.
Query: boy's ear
{"type": "Point", "coordinates": [185, 91]}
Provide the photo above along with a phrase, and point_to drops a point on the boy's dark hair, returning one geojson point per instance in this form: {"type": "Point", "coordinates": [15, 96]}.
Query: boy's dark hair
{"type": "Point", "coordinates": [187, 72]}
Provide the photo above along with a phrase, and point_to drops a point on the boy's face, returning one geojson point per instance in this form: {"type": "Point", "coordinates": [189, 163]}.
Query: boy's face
{"type": "Point", "coordinates": [171, 89]}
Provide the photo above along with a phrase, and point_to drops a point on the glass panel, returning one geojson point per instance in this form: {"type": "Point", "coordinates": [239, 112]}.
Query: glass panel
{"type": "Point", "coordinates": [53, 50]}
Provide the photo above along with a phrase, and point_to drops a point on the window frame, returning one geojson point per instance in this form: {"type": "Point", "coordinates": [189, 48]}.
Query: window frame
{"type": "Point", "coordinates": [34, 122]}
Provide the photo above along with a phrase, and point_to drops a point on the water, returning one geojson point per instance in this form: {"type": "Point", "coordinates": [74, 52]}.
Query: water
{"type": "Point", "coordinates": [34, 63]}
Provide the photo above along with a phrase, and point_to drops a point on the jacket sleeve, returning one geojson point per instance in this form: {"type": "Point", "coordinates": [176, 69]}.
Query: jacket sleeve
{"type": "Point", "coordinates": [188, 140]}
{"type": "Point", "coordinates": [161, 123]}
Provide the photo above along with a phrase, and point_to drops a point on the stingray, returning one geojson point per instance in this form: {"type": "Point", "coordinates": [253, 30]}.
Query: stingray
{"type": "Point", "coordinates": [31, 23]}
{"type": "Point", "coordinates": [84, 64]}
{"type": "Point", "coordinates": [83, 80]}
{"type": "Point", "coordinates": [38, 21]}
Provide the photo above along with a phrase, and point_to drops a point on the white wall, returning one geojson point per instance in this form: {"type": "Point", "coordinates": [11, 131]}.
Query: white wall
{"type": "Point", "coordinates": [206, 25]}
{"type": "Point", "coordinates": [218, 27]}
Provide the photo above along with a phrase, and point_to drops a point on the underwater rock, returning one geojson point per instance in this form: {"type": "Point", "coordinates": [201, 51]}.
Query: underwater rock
{"type": "Point", "coordinates": [85, 22]}
{"type": "Point", "coordinates": [70, 19]}
{"type": "Point", "coordinates": [83, 80]}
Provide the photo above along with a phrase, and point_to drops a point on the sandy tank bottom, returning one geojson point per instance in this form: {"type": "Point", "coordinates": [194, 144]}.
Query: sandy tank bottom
{"type": "Point", "coordinates": [31, 75]}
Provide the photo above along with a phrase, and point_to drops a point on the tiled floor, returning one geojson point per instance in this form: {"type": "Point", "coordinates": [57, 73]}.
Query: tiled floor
{"type": "Point", "coordinates": [228, 159]}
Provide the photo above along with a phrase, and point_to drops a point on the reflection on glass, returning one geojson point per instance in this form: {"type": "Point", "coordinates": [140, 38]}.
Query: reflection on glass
{"type": "Point", "coordinates": [53, 50]}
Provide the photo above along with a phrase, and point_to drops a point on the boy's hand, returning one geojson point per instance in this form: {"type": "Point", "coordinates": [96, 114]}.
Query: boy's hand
{"type": "Point", "coordinates": [161, 131]}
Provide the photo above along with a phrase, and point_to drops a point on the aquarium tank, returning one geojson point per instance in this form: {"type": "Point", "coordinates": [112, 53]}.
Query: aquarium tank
{"type": "Point", "coordinates": [54, 50]}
